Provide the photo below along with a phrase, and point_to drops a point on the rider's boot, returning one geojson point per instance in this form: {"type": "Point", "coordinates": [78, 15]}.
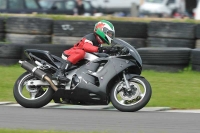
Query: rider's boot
{"type": "Point", "coordinates": [60, 73]}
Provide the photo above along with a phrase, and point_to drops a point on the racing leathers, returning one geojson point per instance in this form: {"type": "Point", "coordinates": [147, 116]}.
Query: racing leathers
{"type": "Point", "coordinates": [89, 43]}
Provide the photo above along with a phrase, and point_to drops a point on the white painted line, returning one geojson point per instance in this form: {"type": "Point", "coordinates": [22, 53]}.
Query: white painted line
{"type": "Point", "coordinates": [84, 107]}
{"type": "Point", "coordinates": [104, 107]}
{"type": "Point", "coordinates": [155, 108]}
{"type": "Point", "coordinates": [183, 111]}
{"type": "Point", "coordinates": [14, 105]}
{"type": "Point", "coordinates": [4, 103]}
{"type": "Point", "coordinates": [52, 105]}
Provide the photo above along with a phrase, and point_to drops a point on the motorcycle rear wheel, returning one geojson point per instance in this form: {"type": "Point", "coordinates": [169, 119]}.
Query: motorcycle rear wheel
{"type": "Point", "coordinates": [134, 99]}
{"type": "Point", "coordinates": [31, 96]}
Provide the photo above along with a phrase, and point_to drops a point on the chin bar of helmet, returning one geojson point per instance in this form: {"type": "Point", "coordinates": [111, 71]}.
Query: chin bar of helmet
{"type": "Point", "coordinates": [38, 73]}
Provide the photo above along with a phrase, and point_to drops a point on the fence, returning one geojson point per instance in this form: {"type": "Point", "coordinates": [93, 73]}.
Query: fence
{"type": "Point", "coordinates": [163, 46]}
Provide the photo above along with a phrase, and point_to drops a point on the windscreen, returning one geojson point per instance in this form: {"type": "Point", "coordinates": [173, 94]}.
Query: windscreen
{"type": "Point", "coordinates": [131, 49]}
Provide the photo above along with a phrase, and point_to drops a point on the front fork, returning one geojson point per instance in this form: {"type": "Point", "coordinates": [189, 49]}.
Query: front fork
{"type": "Point", "coordinates": [126, 82]}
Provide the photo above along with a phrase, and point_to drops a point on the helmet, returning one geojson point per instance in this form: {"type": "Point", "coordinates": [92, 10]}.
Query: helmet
{"type": "Point", "coordinates": [105, 30]}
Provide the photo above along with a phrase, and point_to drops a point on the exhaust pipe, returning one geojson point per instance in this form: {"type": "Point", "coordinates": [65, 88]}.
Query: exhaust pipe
{"type": "Point", "coordinates": [38, 73]}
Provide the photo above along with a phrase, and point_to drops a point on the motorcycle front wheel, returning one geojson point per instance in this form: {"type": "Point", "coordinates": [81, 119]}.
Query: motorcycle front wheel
{"type": "Point", "coordinates": [132, 99]}
{"type": "Point", "coordinates": [31, 96]}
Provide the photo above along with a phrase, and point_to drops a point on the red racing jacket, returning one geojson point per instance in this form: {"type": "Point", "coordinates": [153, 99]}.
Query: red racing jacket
{"type": "Point", "coordinates": [89, 43]}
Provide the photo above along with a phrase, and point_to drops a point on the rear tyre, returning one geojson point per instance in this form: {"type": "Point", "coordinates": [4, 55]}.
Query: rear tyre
{"type": "Point", "coordinates": [134, 99]}
{"type": "Point", "coordinates": [31, 96]}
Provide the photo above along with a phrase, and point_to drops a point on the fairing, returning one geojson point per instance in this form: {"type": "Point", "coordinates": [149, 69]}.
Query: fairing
{"type": "Point", "coordinates": [131, 49]}
{"type": "Point", "coordinates": [94, 80]}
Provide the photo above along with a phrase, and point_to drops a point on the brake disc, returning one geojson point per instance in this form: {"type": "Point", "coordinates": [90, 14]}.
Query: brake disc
{"type": "Point", "coordinates": [31, 89]}
{"type": "Point", "coordinates": [130, 95]}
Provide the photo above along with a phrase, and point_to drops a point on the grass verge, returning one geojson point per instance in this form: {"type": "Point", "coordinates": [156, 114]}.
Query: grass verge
{"type": "Point", "coordinates": [38, 131]}
{"type": "Point", "coordinates": [175, 90]}
{"type": "Point", "coordinates": [94, 18]}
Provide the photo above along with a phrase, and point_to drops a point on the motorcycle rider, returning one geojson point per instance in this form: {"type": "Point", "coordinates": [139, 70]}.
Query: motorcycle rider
{"type": "Point", "coordinates": [104, 32]}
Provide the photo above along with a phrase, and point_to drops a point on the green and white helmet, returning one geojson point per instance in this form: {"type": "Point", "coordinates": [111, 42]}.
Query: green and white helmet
{"type": "Point", "coordinates": [105, 30]}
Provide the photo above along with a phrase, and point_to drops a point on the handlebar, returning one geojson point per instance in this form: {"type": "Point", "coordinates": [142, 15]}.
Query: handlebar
{"type": "Point", "coordinates": [116, 50]}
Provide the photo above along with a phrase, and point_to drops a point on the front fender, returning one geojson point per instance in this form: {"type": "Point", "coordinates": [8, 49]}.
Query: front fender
{"type": "Point", "coordinates": [130, 76]}
{"type": "Point", "coordinates": [117, 78]}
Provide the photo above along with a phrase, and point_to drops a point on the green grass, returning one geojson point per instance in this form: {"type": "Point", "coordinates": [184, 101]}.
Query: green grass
{"type": "Point", "coordinates": [8, 76]}
{"type": "Point", "coordinates": [38, 131]}
{"type": "Point", "coordinates": [107, 17]}
{"type": "Point", "coordinates": [176, 90]}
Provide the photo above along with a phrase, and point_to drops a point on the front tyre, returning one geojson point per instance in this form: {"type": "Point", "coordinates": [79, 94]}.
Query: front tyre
{"type": "Point", "coordinates": [133, 99]}
{"type": "Point", "coordinates": [31, 96]}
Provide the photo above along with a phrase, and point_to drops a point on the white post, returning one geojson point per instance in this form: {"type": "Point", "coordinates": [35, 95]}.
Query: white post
{"type": "Point", "coordinates": [134, 10]}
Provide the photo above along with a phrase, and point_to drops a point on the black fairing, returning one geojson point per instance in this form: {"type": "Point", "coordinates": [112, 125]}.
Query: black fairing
{"type": "Point", "coordinates": [46, 57]}
{"type": "Point", "coordinates": [131, 50]}
{"type": "Point", "coordinates": [93, 82]}
{"type": "Point", "coordinates": [43, 56]}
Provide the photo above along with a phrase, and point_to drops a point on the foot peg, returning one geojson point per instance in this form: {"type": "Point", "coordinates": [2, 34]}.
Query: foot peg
{"type": "Point", "coordinates": [63, 79]}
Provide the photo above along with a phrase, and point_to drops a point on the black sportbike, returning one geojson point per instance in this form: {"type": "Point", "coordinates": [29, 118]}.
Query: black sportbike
{"type": "Point", "coordinates": [98, 79]}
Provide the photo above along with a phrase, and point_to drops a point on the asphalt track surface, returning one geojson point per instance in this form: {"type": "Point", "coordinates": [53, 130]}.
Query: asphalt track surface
{"type": "Point", "coordinates": [101, 120]}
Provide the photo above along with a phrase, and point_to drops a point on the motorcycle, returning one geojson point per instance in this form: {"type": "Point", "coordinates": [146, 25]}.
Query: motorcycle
{"type": "Point", "coordinates": [98, 79]}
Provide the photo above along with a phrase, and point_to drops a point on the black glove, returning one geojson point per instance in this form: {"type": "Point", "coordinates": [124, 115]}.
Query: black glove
{"type": "Point", "coordinates": [109, 50]}
{"type": "Point", "coordinates": [103, 50]}
{"type": "Point", "coordinates": [114, 50]}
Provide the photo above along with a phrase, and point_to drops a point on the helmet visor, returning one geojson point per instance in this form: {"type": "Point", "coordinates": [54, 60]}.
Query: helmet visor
{"type": "Point", "coordinates": [108, 32]}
